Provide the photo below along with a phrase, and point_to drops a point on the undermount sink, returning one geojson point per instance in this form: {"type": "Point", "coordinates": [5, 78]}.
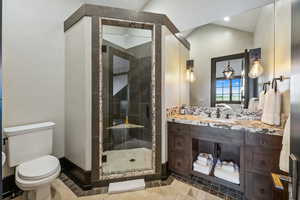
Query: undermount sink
{"type": "Point", "coordinates": [3, 158]}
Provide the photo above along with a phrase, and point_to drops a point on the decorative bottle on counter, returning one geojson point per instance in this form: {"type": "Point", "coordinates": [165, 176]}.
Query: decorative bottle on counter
{"type": "Point", "coordinates": [182, 110]}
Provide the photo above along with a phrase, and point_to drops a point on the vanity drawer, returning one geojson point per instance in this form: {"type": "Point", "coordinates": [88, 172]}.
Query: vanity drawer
{"type": "Point", "coordinates": [179, 163]}
{"type": "Point", "coordinates": [179, 143]}
{"type": "Point", "coordinates": [259, 187]}
{"type": "Point", "coordinates": [262, 160]}
{"type": "Point", "coordinates": [267, 141]}
{"type": "Point", "coordinates": [176, 128]}
{"type": "Point", "coordinates": [220, 135]}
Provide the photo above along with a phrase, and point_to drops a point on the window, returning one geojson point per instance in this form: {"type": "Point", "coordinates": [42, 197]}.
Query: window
{"type": "Point", "coordinates": [229, 91]}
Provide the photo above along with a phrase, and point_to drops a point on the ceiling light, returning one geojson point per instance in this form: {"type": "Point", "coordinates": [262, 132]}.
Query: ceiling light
{"type": "Point", "coordinates": [226, 19]}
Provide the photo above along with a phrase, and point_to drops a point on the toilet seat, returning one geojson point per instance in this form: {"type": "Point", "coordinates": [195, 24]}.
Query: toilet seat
{"type": "Point", "coordinates": [39, 168]}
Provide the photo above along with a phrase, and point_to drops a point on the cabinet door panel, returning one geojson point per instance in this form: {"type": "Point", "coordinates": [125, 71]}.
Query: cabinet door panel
{"type": "Point", "coordinates": [179, 163]}
{"type": "Point", "coordinates": [258, 187]}
{"type": "Point", "coordinates": [262, 160]}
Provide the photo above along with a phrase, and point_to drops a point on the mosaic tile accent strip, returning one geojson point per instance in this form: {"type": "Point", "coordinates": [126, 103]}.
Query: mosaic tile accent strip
{"type": "Point", "coordinates": [102, 176]}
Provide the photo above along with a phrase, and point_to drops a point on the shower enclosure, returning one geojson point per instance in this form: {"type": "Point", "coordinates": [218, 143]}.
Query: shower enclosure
{"type": "Point", "coordinates": [113, 86]}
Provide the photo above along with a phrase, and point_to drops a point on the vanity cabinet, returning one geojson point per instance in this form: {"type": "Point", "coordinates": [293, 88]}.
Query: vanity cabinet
{"type": "Point", "coordinates": [179, 154]}
{"type": "Point", "coordinates": [256, 153]}
{"type": "Point", "coordinates": [262, 157]}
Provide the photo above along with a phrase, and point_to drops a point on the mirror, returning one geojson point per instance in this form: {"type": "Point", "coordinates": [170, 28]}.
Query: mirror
{"type": "Point", "coordinates": [127, 105]}
{"type": "Point", "coordinates": [232, 45]}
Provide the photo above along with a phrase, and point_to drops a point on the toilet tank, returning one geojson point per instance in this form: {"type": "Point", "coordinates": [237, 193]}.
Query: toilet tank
{"type": "Point", "coordinates": [28, 142]}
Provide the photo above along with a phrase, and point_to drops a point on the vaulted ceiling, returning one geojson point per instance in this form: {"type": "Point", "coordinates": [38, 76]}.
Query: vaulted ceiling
{"type": "Point", "coordinates": [188, 14]}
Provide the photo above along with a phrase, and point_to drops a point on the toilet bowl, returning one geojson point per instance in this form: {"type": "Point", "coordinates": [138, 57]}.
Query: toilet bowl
{"type": "Point", "coordinates": [37, 175]}
{"type": "Point", "coordinates": [29, 150]}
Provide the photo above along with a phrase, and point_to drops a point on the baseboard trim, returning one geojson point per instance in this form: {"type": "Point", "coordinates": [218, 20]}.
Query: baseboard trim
{"type": "Point", "coordinates": [81, 177]}
{"type": "Point", "coordinates": [165, 172]}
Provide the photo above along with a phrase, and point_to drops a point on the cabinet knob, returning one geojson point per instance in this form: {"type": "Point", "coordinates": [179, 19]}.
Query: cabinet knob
{"type": "Point", "coordinates": [262, 191]}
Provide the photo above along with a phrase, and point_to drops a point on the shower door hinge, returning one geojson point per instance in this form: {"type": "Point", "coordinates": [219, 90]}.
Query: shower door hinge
{"type": "Point", "coordinates": [104, 158]}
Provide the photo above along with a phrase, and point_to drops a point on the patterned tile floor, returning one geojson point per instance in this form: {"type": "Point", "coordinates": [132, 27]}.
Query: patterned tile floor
{"type": "Point", "coordinates": [177, 190]}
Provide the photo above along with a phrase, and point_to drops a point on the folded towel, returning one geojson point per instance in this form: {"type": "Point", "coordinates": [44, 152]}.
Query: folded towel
{"type": "Point", "coordinates": [204, 169]}
{"type": "Point", "coordinates": [207, 162]}
{"type": "Point", "coordinates": [272, 108]}
{"type": "Point", "coordinates": [228, 166]}
{"type": "Point", "coordinates": [285, 151]}
{"type": "Point", "coordinates": [233, 177]}
{"type": "Point", "coordinates": [203, 157]}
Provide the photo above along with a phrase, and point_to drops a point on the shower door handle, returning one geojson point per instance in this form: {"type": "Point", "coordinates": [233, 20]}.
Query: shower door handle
{"type": "Point", "coordinates": [104, 159]}
{"type": "Point", "coordinates": [147, 111]}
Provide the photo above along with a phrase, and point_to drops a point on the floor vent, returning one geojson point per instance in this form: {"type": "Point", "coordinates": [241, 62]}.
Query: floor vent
{"type": "Point", "coordinates": [126, 186]}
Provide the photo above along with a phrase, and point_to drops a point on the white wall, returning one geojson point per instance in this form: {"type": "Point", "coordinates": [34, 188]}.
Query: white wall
{"type": "Point", "coordinates": [211, 41]}
{"type": "Point", "coordinates": [34, 64]}
{"type": "Point", "coordinates": [175, 87]}
{"type": "Point", "coordinates": [78, 97]}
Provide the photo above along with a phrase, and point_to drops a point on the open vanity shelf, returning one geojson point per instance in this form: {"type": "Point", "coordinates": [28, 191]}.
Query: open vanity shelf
{"type": "Point", "coordinates": [217, 180]}
{"type": "Point", "coordinates": [223, 151]}
{"type": "Point", "coordinates": [257, 155]}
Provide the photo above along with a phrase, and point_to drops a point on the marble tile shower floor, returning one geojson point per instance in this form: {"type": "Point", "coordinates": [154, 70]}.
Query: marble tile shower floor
{"type": "Point", "coordinates": [176, 191]}
{"type": "Point", "coordinates": [127, 160]}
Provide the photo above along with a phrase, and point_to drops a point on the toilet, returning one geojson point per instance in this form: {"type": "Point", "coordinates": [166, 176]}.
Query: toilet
{"type": "Point", "coordinates": [29, 150]}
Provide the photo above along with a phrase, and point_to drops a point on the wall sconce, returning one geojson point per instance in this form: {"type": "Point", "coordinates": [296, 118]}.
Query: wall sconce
{"type": "Point", "coordinates": [256, 68]}
{"type": "Point", "coordinates": [190, 76]}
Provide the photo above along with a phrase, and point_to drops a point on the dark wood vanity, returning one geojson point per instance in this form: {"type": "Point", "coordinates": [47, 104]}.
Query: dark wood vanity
{"type": "Point", "coordinates": [257, 155]}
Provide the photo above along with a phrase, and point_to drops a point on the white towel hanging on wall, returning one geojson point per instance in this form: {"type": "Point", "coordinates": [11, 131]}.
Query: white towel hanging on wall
{"type": "Point", "coordinates": [272, 106]}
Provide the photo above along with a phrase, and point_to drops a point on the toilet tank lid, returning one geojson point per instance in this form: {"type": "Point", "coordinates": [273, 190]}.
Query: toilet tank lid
{"type": "Point", "coordinates": [16, 130]}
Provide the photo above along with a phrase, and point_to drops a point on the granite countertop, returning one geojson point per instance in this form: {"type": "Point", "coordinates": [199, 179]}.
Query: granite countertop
{"type": "Point", "coordinates": [254, 126]}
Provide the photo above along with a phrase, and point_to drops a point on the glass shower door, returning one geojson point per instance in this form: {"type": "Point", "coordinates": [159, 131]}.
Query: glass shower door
{"type": "Point", "coordinates": [127, 103]}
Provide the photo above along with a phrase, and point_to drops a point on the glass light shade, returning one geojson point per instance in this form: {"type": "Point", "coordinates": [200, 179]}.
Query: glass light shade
{"type": "Point", "coordinates": [192, 77]}
{"type": "Point", "coordinates": [188, 74]}
{"type": "Point", "coordinates": [228, 71]}
{"type": "Point", "coordinates": [256, 70]}
{"type": "Point", "coordinates": [228, 74]}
